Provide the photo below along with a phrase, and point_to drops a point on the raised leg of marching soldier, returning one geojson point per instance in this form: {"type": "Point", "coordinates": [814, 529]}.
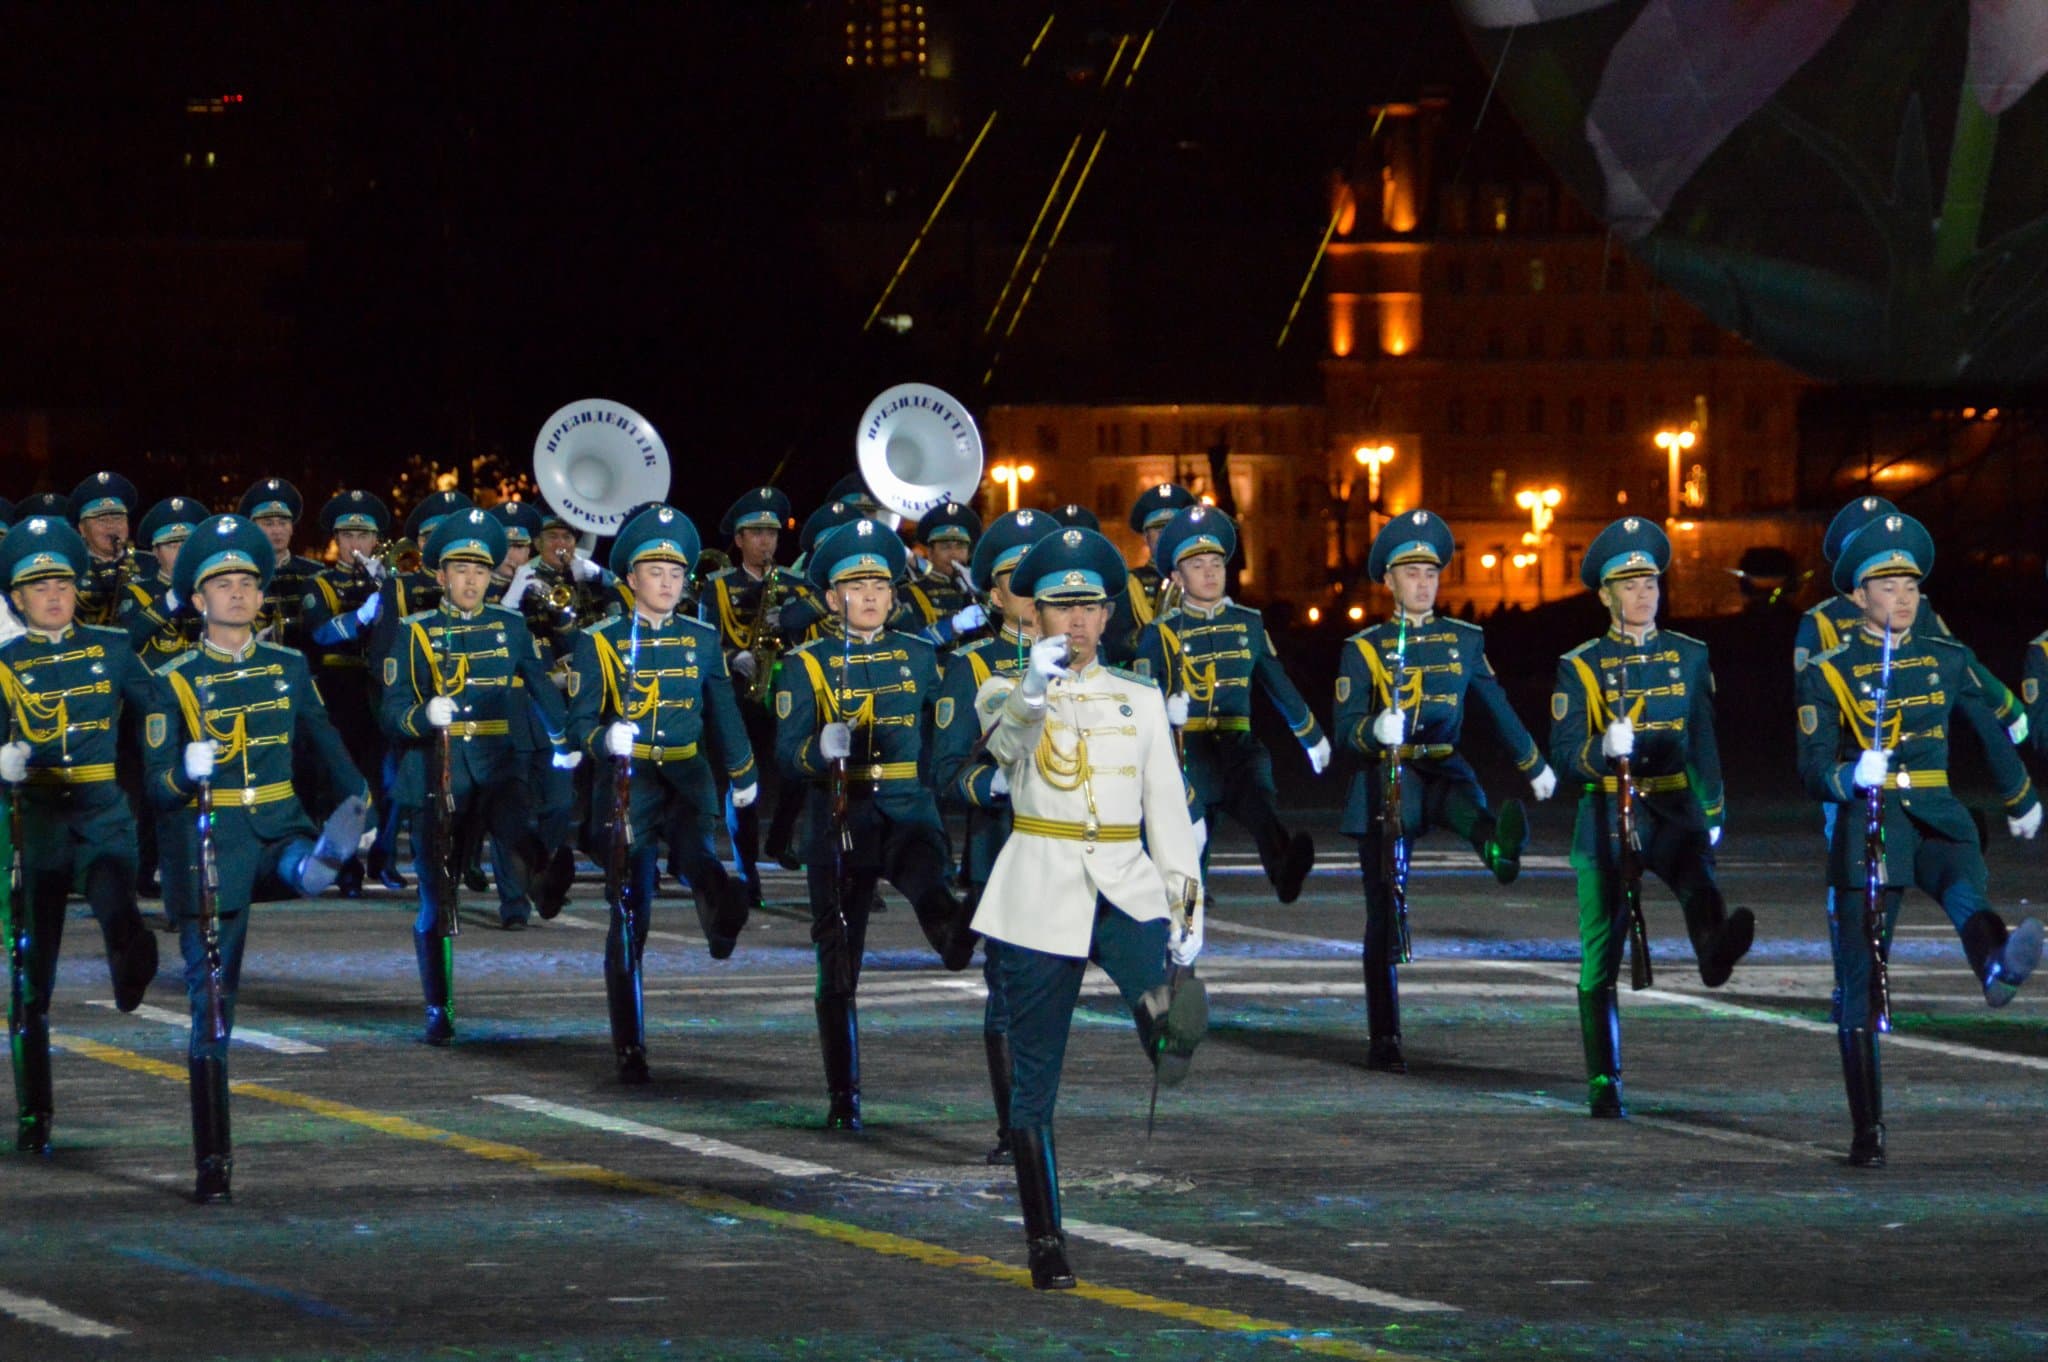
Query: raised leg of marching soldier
{"type": "Point", "coordinates": [496, 803]}
{"type": "Point", "coordinates": [1233, 773]}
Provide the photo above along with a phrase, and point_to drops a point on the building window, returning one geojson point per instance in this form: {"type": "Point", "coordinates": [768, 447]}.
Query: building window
{"type": "Point", "coordinates": [1617, 339]}
{"type": "Point", "coordinates": [1496, 416]}
{"type": "Point", "coordinates": [1617, 415]}
{"type": "Point", "coordinates": [1497, 486]}
{"type": "Point", "coordinates": [1534, 414]}
{"type": "Point", "coordinates": [1109, 438]}
{"type": "Point", "coordinates": [1454, 416]}
{"type": "Point", "coordinates": [1048, 440]}
{"type": "Point", "coordinates": [1575, 416]}
{"type": "Point", "coordinates": [1705, 340]}
{"type": "Point", "coordinates": [1537, 276]}
{"type": "Point", "coordinates": [1536, 341]}
{"type": "Point", "coordinates": [1658, 342]}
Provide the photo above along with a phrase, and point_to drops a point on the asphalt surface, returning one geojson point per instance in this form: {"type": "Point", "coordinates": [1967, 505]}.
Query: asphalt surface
{"type": "Point", "coordinates": [507, 1198]}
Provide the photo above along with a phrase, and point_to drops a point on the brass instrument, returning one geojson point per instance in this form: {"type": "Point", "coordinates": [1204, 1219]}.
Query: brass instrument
{"type": "Point", "coordinates": [764, 643]}
{"type": "Point", "coordinates": [1169, 598]}
{"type": "Point", "coordinates": [401, 555]}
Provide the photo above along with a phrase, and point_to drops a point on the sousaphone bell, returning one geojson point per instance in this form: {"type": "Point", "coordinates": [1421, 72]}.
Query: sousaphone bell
{"type": "Point", "coordinates": [918, 448]}
{"type": "Point", "coordinates": [597, 459]}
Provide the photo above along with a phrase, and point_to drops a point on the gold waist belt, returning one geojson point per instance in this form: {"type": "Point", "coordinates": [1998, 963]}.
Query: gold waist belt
{"type": "Point", "coordinates": [1429, 751]}
{"type": "Point", "coordinates": [1921, 780]}
{"type": "Point", "coordinates": [1224, 723]}
{"type": "Point", "coordinates": [888, 770]}
{"type": "Point", "coordinates": [71, 775]}
{"type": "Point", "coordinates": [654, 752]}
{"type": "Point", "coordinates": [248, 797]}
{"type": "Point", "coordinates": [479, 728]}
{"type": "Point", "coordinates": [1073, 832]}
{"type": "Point", "coordinates": [1646, 784]}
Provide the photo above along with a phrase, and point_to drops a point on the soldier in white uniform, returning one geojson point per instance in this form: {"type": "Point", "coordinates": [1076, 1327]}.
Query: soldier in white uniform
{"type": "Point", "coordinates": [1087, 758]}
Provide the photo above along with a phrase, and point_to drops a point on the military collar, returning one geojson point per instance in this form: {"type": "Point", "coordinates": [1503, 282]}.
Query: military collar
{"type": "Point", "coordinates": [98, 561]}
{"type": "Point", "coordinates": [284, 556]}
{"type": "Point", "coordinates": [661, 623]}
{"type": "Point", "coordinates": [1091, 671]}
{"type": "Point", "coordinates": [1189, 608]}
{"type": "Point", "coordinates": [753, 576]}
{"type": "Point", "coordinates": [858, 637]}
{"type": "Point", "coordinates": [220, 654]}
{"type": "Point", "coordinates": [41, 637]}
{"type": "Point", "coordinates": [1875, 637]}
{"type": "Point", "coordinates": [1009, 635]}
{"type": "Point", "coordinates": [1615, 634]}
{"type": "Point", "coordinates": [1394, 620]}
{"type": "Point", "coordinates": [447, 607]}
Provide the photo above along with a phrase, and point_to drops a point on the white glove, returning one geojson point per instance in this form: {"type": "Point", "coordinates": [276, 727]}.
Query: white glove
{"type": "Point", "coordinates": [999, 782]}
{"type": "Point", "coordinates": [366, 613]}
{"type": "Point", "coordinates": [966, 621]}
{"type": "Point", "coordinates": [618, 738]}
{"type": "Point", "coordinates": [1201, 826]}
{"type": "Point", "coordinates": [373, 566]}
{"type": "Point", "coordinates": [835, 742]}
{"type": "Point", "coordinates": [743, 796]}
{"type": "Point", "coordinates": [1184, 945]}
{"type": "Point", "coordinates": [1544, 783]}
{"type": "Point", "coordinates": [1389, 726]}
{"type": "Point", "coordinates": [1048, 659]}
{"type": "Point", "coordinates": [567, 761]}
{"type": "Point", "coordinates": [583, 568]}
{"type": "Point", "coordinates": [14, 762]}
{"type": "Point", "coordinates": [1619, 740]}
{"type": "Point", "coordinates": [171, 608]}
{"type": "Point", "coordinates": [1319, 756]}
{"type": "Point", "coordinates": [440, 711]}
{"type": "Point", "coordinates": [2018, 729]}
{"type": "Point", "coordinates": [1870, 768]}
{"type": "Point", "coordinates": [2026, 825]}
{"type": "Point", "coordinates": [743, 665]}
{"type": "Point", "coordinates": [1714, 835]}
{"type": "Point", "coordinates": [1177, 708]}
{"type": "Point", "coordinates": [515, 591]}
{"type": "Point", "coordinates": [199, 761]}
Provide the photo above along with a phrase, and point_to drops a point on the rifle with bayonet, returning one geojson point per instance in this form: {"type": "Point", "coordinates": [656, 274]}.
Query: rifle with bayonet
{"type": "Point", "coordinates": [1874, 875]}
{"type": "Point", "coordinates": [1393, 828]}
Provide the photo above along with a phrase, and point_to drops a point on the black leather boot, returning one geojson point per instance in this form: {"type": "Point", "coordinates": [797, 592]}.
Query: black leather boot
{"type": "Point", "coordinates": [997, 1043]}
{"type": "Point", "coordinates": [211, 1151]}
{"type": "Point", "coordinates": [839, 1039]}
{"type": "Point", "coordinates": [132, 962]}
{"type": "Point", "coordinates": [32, 1086]}
{"type": "Point", "coordinates": [1038, 1195]}
{"type": "Point", "coordinates": [1295, 863]}
{"type": "Point", "coordinates": [1866, 1097]}
{"type": "Point", "coordinates": [723, 907]}
{"type": "Point", "coordinates": [627, 1005]}
{"type": "Point", "coordinates": [436, 955]}
{"type": "Point", "coordinates": [1383, 1017]}
{"type": "Point", "coordinates": [1600, 1029]}
{"type": "Point", "coordinates": [945, 923]}
{"type": "Point", "coordinates": [1503, 850]}
{"type": "Point", "coordinates": [2002, 959]}
{"type": "Point", "coordinates": [1719, 937]}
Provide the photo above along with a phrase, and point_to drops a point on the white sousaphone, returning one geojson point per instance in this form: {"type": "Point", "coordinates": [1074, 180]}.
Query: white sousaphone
{"type": "Point", "coordinates": [918, 449]}
{"type": "Point", "coordinates": [595, 460]}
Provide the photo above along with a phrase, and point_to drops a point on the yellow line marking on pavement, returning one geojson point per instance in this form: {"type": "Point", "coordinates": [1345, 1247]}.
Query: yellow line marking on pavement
{"type": "Point", "coordinates": [853, 1236]}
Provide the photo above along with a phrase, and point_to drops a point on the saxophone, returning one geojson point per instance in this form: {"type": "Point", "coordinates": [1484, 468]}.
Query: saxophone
{"type": "Point", "coordinates": [764, 643]}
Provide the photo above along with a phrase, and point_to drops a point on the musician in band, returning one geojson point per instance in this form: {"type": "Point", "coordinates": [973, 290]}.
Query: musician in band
{"type": "Point", "coordinates": [967, 778]}
{"type": "Point", "coordinates": [940, 604]}
{"type": "Point", "coordinates": [851, 711]}
{"type": "Point", "coordinates": [100, 509]}
{"type": "Point", "coordinates": [63, 688]}
{"type": "Point", "coordinates": [458, 674]}
{"type": "Point", "coordinates": [1644, 695]}
{"type": "Point", "coordinates": [651, 690]}
{"type": "Point", "coordinates": [159, 627]}
{"type": "Point", "coordinates": [1145, 594]}
{"type": "Point", "coordinates": [1875, 712]}
{"type": "Point", "coordinates": [808, 616]}
{"type": "Point", "coordinates": [1206, 654]}
{"type": "Point", "coordinates": [1403, 689]}
{"type": "Point", "coordinates": [275, 506]}
{"type": "Point", "coordinates": [522, 523]}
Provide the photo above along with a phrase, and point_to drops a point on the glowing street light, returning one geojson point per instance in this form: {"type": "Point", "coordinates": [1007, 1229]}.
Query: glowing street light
{"type": "Point", "coordinates": [1371, 458]}
{"type": "Point", "coordinates": [1674, 443]}
{"type": "Point", "coordinates": [1542, 508]}
{"type": "Point", "coordinates": [1013, 476]}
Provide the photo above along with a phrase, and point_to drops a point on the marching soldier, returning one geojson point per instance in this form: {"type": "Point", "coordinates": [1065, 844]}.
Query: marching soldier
{"type": "Point", "coordinates": [808, 616]}
{"type": "Point", "coordinates": [939, 603]}
{"type": "Point", "coordinates": [1402, 691]}
{"type": "Point", "coordinates": [1205, 654]}
{"type": "Point", "coordinates": [967, 777]}
{"type": "Point", "coordinates": [274, 505]}
{"type": "Point", "coordinates": [522, 523]}
{"type": "Point", "coordinates": [232, 714]}
{"type": "Point", "coordinates": [1088, 756]}
{"type": "Point", "coordinates": [1074, 515]}
{"type": "Point", "coordinates": [569, 590]}
{"type": "Point", "coordinates": [555, 790]}
{"type": "Point", "coordinates": [750, 604]}
{"type": "Point", "coordinates": [649, 691]}
{"type": "Point", "coordinates": [464, 668]}
{"type": "Point", "coordinates": [99, 509]}
{"type": "Point", "coordinates": [1875, 712]}
{"type": "Point", "coordinates": [160, 626]}
{"type": "Point", "coordinates": [64, 686]}
{"type": "Point", "coordinates": [1146, 593]}
{"type": "Point", "coordinates": [1646, 695]}
{"type": "Point", "coordinates": [342, 605]}
{"type": "Point", "coordinates": [849, 718]}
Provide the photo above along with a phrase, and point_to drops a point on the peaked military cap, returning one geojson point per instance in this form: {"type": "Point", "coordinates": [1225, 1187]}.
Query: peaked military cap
{"type": "Point", "coordinates": [39, 547]}
{"type": "Point", "coordinates": [356, 510]}
{"type": "Point", "coordinates": [102, 494]}
{"type": "Point", "coordinates": [466, 536]}
{"type": "Point", "coordinates": [170, 521]}
{"type": "Point", "coordinates": [660, 534]}
{"type": "Point", "coordinates": [1157, 505]}
{"type": "Point", "coordinates": [1849, 520]}
{"type": "Point", "coordinates": [271, 497]}
{"type": "Point", "coordinates": [1075, 515]}
{"type": "Point", "coordinates": [1074, 565]}
{"type": "Point", "coordinates": [1004, 543]}
{"type": "Point", "coordinates": [1197, 529]}
{"type": "Point", "coordinates": [53, 504]}
{"type": "Point", "coordinates": [521, 521]}
{"type": "Point", "coordinates": [764, 508]}
{"type": "Point", "coordinates": [825, 519]}
{"type": "Point", "coordinates": [221, 544]}
{"type": "Point", "coordinates": [861, 548]}
{"type": "Point", "coordinates": [950, 521]}
{"type": "Point", "coordinates": [1630, 547]}
{"type": "Point", "coordinates": [1893, 545]}
{"type": "Point", "coordinates": [854, 492]}
{"type": "Point", "coordinates": [1415, 537]}
{"type": "Point", "coordinates": [421, 521]}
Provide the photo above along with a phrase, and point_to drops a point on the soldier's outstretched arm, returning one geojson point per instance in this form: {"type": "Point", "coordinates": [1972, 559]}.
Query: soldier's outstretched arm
{"type": "Point", "coordinates": [540, 688]}
{"type": "Point", "coordinates": [1279, 688]}
{"type": "Point", "coordinates": [960, 777]}
{"type": "Point", "coordinates": [1485, 687]}
{"type": "Point", "coordinates": [722, 721]}
{"type": "Point", "coordinates": [1574, 746]}
{"type": "Point", "coordinates": [586, 696]}
{"type": "Point", "coordinates": [408, 685]}
{"type": "Point", "coordinates": [1357, 699]}
{"type": "Point", "coordinates": [1821, 770]}
{"type": "Point", "coordinates": [313, 726]}
{"type": "Point", "coordinates": [1703, 749]}
{"type": "Point", "coordinates": [2007, 770]}
{"type": "Point", "coordinates": [2005, 707]}
{"type": "Point", "coordinates": [796, 721]}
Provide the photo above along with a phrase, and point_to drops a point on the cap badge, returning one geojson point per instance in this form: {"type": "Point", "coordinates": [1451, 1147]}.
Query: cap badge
{"type": "Point", "coordinates": [666, 515]}
{"type": "Point", "coordinates": [1072, 539]}
{"type": "Point", "coordinates": [1893, 523]}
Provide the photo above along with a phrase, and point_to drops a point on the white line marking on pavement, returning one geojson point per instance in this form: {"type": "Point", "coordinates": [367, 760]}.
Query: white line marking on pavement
{"type": "Point", "coordinates": [1735, 1137]}
{"type": "Point", "coordinates": [1240, 929]}
{"type": "Point", "coordinates": [262, 1040]}
{"type": "Point", "coordinates": [1336, 1288]}
{"type": "Point", "coordinates": [570, 920]}
{"type": "Point", "coordinates": [29, 1310]}
{"type": "Point", "coordinates": [679, 1139]}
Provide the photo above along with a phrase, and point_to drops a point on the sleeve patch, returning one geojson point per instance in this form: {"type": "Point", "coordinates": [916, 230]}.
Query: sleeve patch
{"type": "Point", "coordinates": [390, 671]}
{"type": "Point", "coordinates": [574, 680]}
{"type": "Point", "coordinates": [1809, 719]}
{"type": "Point", "coordinates": [782, 704]}
{"type": "Point", "coordinates": [2031, 689]}
{"type": "Point", "coordinates": [158, 730]}
{"type": "Point", "coordinates": [944, 712]}
{"type": "Point", "coordinates": [1343, 689]}
{"type": "Point", "coordinates": [1558, 705]}
{"type": "Point", "coordinates": [1143, 667]}
{"type": "Point", "coordinates": [1799, 658]}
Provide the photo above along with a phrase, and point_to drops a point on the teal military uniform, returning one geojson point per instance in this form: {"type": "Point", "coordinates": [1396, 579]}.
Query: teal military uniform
{"type": "Point", "coordinates": [1214, 656]}
{"type": "Point", "coordinates": [292, 579]}
{"type": "Point", "coordinates": [158, 629]}
{"type": "Point", "coordinates": [1929, 838]}
{"type": "Point", "coordinates": [807, 617]}
{"type": "Point", "coordinates": [522, 524]}
{"type": "Point", "coordinates": [1134, 609]}
{"type": "Point", "coordinates": [103, 586]}
{"type": "Point", "coordinates": [1662, 684]}
{"type": "Point", "coordinates": [257, 707]}
{"type": "Point", "coordinates": [667, 678]}
{"type": "Point", "coordinates": [341, 607]}
{"type": "Point", "coordinates": [64, 695]}
{"type": "Point", "coordinates": [880, 686]}
{"type": "Point", "coordinates": [488, 666]}
{"type": "Point", "coordinates": [942, 609]}
{"type": "Point", "coordinates": [965, 775]}
{"type": "Point", "coordinates": [2034, 687]}
{"type": "Point", "coordinates": [1438, 667]}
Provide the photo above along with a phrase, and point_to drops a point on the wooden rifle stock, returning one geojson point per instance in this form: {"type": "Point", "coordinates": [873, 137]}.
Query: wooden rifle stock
{"type": "Point", "coordinates": [1630, 858]}
{"type": "Point", "coordinates": [209, 918]}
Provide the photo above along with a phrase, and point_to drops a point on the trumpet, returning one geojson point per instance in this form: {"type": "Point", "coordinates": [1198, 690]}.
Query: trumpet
{"type": "Point", "coordinates": [400, 555]}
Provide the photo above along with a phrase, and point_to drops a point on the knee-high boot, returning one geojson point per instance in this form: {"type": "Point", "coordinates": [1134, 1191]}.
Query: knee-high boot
{"type": "Point", "coordinates": [32, 1086]}
{"type": "Point", "coordinates": [1383, 1016]}
{"type": "Point", "coordinates": [437, 984]}
{"type": "Point", "coordinates": [1600, 1029]}
{"type": "Point", "coordinates": [626, 1002]}
{"type": "Point", "coordinates": [1866, 1097]}
{"type": "Point", "coordinates": [212, 1152]}
{"type": "Point", "coordinates": [997, 1043]}
{"type": "Point", "coordinates": [839, 1039]}
{"type": "Point", "coordinates": [1038, 1195]}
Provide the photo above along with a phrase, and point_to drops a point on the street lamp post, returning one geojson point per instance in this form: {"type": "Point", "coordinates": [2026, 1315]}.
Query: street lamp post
{"type": "Point", "coordinates": [1541, 504]}
{"type": "Point", "coordinates": [1674, 443]}
{"type": "Point", "coordinates": [1013, 476]}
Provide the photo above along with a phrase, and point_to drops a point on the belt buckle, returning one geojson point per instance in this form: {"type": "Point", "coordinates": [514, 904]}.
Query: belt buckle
{"type": "Point", "coordinates": [654, 753]}
{"type": "Point", "coordinates": [468, 729]}
{"type": "Point", "coordinates": [249, 797]}
{"type": "Point", "coordinates": [1090, 830]}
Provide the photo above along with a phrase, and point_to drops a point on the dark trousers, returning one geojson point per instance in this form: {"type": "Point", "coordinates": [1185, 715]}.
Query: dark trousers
{"type": "Point", "coordinates": [677, 799]}
{"type": "Point", "coordinates": [501, 807]}
{"type": "Point", "coordinates": [250, 870]}
{"type": "Point", "coordinates": [1233, 773]}
{"type": "Point", "coordinates": [60, 847]}
{"type": "Point", "coordinates": [1677, 854]}
{"type": "Point", "coordinates": [908, 852]}
{"type": "Point", "coordinates": [1953, 875]}
{"type": "Point", "coordinates": [1429, 799]}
